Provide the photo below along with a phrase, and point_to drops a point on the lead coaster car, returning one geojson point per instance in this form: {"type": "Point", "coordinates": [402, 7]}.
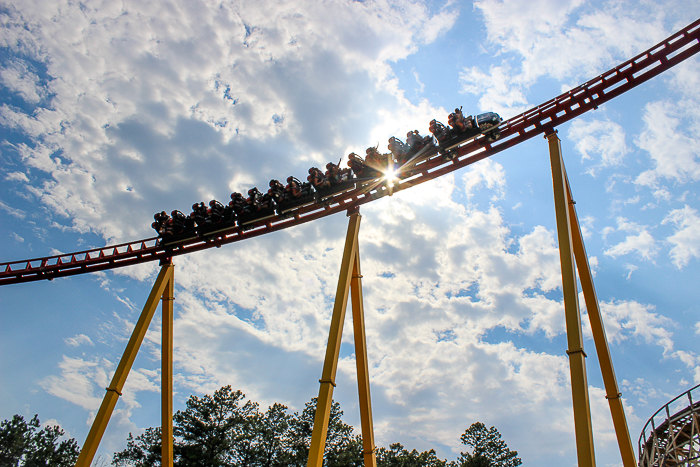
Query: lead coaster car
{"type": "Point", "coordinates": [448, 137]}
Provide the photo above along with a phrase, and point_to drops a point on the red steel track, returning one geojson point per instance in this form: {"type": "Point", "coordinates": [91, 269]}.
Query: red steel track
{"type": "Point", "coordinates": [541, 119]}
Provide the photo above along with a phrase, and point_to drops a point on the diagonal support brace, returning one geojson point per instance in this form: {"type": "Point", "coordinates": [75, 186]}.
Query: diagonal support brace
{"type": "Point", "coordinates": [163, 288]}
{"type": "Point", "coordinates": [577, 364]}
{"type": "Point", "coordinates": [613, 395]}
{"type": "Point", "coordinates": [348, 282]}
{"type": "Point", "coordinates": [612, 390]}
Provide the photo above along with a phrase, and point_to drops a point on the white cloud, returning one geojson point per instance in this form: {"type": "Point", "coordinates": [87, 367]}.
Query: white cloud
{"type": "Point", "coordinates": [553, 39]}
{"type": "Point", "coordinates": [17, 177]}
{"type": "Point", "coordinates": [18, 213]}
{"type": "Point", "coordinates": [673, 152]}
{"type": "Point", "coordinates": [75, 384]}
{"type": "Point", "coordinates": [421, 86]}
{"type": "Point", "coordinates": [18, 78]}
{"type": "Point", "coordinates": [488, 174]}
{"type": "Point", "coordinates": [685, 79]}
{"type": "Point", "coordinates": [691, 361]}
{"type": "Point", "coordinates": [600, 141]}
{"type": "Point", "coordinates": [686, 239]}
{"type": "Point", "coordinates": [586, 224]}
{"type": "Point", "coordinates": [78, 340]}
{"type": "Point", "coordinates": [643, 243]}
{"type": "Point", "coordinates": [628, 318]}
{"type": "Point", "coordinates": [500, 91]}
{"type": "Point", "coordinates": [555, 42]}
{"type": "Point", "coordinates": [151, 103]}
{"type": "Point", "coordinates": [644, 391]}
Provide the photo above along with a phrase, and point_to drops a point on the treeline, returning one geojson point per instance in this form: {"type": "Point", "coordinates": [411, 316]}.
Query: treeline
{"type": "Point", "coordinates": [225, 430]}
{"type": "Point", "coordinates": [27, 444]}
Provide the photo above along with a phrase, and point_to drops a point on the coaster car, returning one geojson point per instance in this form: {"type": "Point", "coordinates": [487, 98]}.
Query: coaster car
{"type": "Point", "coordinates": [404, 153]}
{"type": "Point", "coordinates": [403, 160]}
{"type": "Point", "coordinates": [463, 129]}
{"type": "Point", "coordinates": [296, 194]}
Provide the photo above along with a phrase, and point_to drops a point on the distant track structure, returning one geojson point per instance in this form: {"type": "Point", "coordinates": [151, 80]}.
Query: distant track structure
{"type": "Point", "coordinates": [671, 437]}
{"type": "Point", "coordinates": [536, 121]}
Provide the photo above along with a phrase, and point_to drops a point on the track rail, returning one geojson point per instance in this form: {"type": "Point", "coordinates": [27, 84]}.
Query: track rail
{"type": "Point", "coordinates": [539, 120]}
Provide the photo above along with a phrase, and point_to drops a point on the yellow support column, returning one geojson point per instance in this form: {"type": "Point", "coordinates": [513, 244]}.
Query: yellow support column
{"type": "Point", "coordinates": [358, 321]}
{"type": "Point", "coordinates": [166, 375]}
{"type": "Point", "coordinates": [330, 365]}
{"type": "Point", "coordinates": [99, 425]}
{"type": "Point", "coordinates": [612, 391]}
{"type": "Point", "coordinates": [577, 363]}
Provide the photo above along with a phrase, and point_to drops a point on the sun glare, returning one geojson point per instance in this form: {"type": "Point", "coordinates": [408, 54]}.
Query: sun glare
{"type": "Point", "coordinates": [390, 176]}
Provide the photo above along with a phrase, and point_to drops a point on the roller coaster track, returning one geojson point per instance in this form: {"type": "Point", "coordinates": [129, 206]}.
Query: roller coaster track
{"type": "Point", "coordinates": [539, 120]}
{"type": "Point", "coordinates": [671, 437]}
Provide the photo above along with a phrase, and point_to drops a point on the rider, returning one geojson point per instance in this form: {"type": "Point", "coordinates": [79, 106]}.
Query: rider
{"type": "Point", "coordinates": [356, 164]}
{"type": "Point", "coordinates": [332, 173]}
{"type": "Point", "coordinates": [276, 190]}
{"type": "Point", "coordinates": [160, 218]}
{"type": "Point", "coordinates": [317, 179]}
{"type": "Point", "coordinates": [237, 203]}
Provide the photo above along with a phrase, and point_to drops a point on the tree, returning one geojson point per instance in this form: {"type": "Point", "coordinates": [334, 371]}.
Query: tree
{"type": "Point", "coordinates": [398, 456]}
{"type": "Point", "coordinates": [488, 449]}
{"type": "Point", "coordinates": [212, 430]}
{"type": "Point", "coordinates": [224, 431]}
{"type": "Point", "coordinates": [216, 430]}
{"type": "Point", "coordinates": [342, 448]}
{"type": "Point", "coordinates": [272, 436]}
{"type": "Point", "coordinates": [142, 451]}
{"type": "Point", "coordinates": [24, 444]}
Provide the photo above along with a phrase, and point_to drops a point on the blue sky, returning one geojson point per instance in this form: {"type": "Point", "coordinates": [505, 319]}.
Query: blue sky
{"type": "Point", "coordinates": [111, 111]}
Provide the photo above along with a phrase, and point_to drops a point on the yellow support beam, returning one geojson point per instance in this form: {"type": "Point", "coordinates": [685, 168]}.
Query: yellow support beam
{"type": "Point", "coordinates": [99, 425]}
{"type": "Point", "coordinates": [166, 376]}
{"type": "Point", "coordinates": [349, 279]}
{"type": "Point", "coordinates": [577, 363]}
{"type": "Point", "coordinates": [612, 391]}
{"type": "Point", "coordinates": [358, 321]}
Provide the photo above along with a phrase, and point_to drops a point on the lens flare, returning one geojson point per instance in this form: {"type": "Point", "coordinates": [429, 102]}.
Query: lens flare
{"type": "Point", "coordinates": [390, 176]}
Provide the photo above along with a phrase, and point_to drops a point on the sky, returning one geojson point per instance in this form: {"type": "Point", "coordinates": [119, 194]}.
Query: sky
{"type": "Point", "coordinates": [111, 111]}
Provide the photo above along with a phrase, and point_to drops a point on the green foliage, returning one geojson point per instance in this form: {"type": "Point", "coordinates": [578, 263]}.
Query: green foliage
{"type": "Point", "coordinates": [488, 449]}
{"type": "Point", "coordinates": [216, 430]}
{"type": "Point", "coordinates": [142, 451]}
{"type": "Point", "coordinates": [397, 456]}
{"type": "Point", "coordinates": [342, 448]}
{"type": "Point", "coordinates": [224, 430]}
{"type": "Point", "coordinates": [24, 444]}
